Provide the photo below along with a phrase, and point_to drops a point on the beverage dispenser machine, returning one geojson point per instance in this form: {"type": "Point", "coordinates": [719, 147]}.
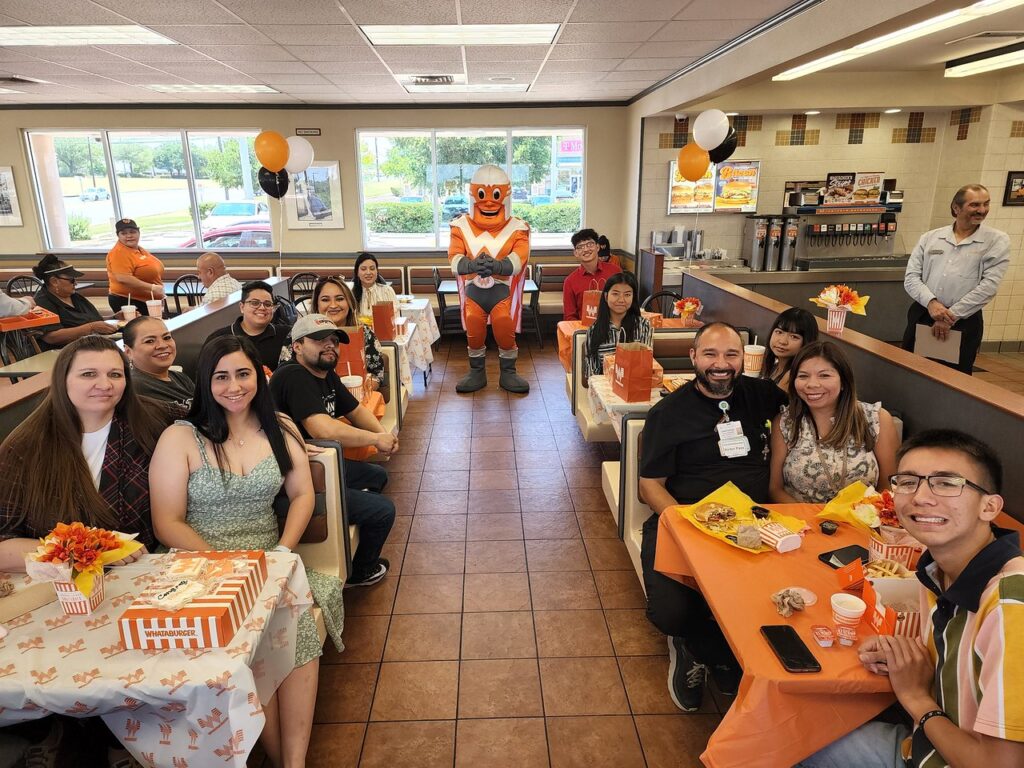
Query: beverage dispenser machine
{"type": "Point", "coordinates": [755, 233]}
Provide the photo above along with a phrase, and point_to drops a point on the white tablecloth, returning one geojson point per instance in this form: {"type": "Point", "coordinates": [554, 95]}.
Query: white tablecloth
{"type": "Point", "coordinates": [419, 350]}
{"type": "Point", "coordinates": [170, 708]}
{"type": "Point", "coordinates": [609, 407]}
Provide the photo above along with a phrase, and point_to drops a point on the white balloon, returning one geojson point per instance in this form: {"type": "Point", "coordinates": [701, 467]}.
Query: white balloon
{"type": "Point", "coordinates": [300, 154]}
{"type": "Point", "coordinates": [710, 128]}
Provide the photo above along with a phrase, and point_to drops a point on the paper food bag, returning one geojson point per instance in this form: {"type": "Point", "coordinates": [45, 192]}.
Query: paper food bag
{"type": "Point", "coordinates": [631, 376]}
{"type": "Point", "coordinates": [352, 356]}
{"type": "Point", "coordinates": [384, 320]}
{"type": "Point", "coordinates": [591, 302]}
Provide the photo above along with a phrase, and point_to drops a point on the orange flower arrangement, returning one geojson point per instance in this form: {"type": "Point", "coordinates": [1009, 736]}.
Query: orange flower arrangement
{"type": "Point", "coordinates": [78, 553]}
{"type": "Point", "coordinates": [841, 296]}
{"type": "Point", "coordinates": [688, 305]}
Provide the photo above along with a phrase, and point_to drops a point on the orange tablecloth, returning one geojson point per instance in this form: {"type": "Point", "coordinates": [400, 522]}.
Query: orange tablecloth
{"type": "Point", "coordinates": [778, 717]}
{"type": "Point", "coordinates": [375, 403]}
{"type": "Point", "coordinates": [566, 328]}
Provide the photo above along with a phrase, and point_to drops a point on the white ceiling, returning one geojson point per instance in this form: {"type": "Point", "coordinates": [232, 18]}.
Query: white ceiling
{"type": "Point", "coordinates": [312, 52]}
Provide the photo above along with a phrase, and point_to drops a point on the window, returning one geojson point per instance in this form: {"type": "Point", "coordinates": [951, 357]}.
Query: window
{"type": "Point", "coordinates": [175, 184]}
{"type": "Point", "coordinates": [413, 183]}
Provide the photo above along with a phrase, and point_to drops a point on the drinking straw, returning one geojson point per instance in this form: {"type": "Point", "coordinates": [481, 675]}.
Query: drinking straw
{"type": "Point", "coordinates": [152, 296]}
{"type": "Point", "coordinates": [129, 297]}
{"type": "Point", "coordinates": [755, 340]}
{"type": "Point", "coordinates": [348, 366]}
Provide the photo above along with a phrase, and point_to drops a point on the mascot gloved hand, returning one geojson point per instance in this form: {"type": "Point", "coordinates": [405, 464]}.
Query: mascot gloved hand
{"type": "Point", "coordinates": [488, 251]}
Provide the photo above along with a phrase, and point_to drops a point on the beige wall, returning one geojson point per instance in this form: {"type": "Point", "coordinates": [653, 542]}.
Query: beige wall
{"type": "Point", "coordinates": [605, 165]}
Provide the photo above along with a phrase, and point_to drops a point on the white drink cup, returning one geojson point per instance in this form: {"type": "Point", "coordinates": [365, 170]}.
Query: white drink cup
{"type": "Point", "coordinates": [847, 611]}
{"type": "Point", "coordinates": [129, 312]}
{"type": "Point", "coordinates": [155, 307]}
{"type": "Point", "coordinates": [354, 384]}
{"type": "Point", "coordinates": [753, 358]}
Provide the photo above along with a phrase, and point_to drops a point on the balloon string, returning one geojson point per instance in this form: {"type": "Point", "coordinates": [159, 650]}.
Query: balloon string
{"type": "Point", "coordinates": [280, 236]}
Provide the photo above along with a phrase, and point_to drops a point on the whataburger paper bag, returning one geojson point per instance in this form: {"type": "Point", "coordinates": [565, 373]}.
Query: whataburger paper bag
{"type": "Point", "coordinates": [352, 356]}
{"type": "Point", "coordinates": [905, 618]}
{"type": "Point", "coordinates": [657, 371]}
{"type": "Point", "coordinates": [591, 303]}
{"type": "Point", "coordinates": [631, 376]}
{"type": "Point", "coordinates": [384, 320]}
{"type": "Point", "coordinates": [731, 496]}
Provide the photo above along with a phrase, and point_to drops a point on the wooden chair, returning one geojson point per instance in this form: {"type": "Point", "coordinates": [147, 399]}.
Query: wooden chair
{"type": "Point", "coordinates": [191, 287]}
{"type": "Point", "coordinates": [304, 305]}
{"type": "Point", "coordinates": [662, 301]}
{"type": "Point", "coordinates": [301, 285]}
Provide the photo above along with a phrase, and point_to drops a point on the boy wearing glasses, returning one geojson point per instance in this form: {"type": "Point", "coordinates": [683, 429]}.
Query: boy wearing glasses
{"type": "Point", "coordinates": [585, 249]}
{"type": "Point", "coordinates": [962, 682]}
{"type": "Point", "coordinates": [256, 322]}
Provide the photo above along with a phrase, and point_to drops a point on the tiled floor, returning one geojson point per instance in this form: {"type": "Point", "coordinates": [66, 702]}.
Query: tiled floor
{"type": "Point", "coordinates": [512, 632]}
{"type": "Point", "coordinates": [1003, 369]}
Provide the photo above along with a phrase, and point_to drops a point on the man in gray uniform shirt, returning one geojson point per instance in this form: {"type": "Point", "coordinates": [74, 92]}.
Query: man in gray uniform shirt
{"type": "Point", "coordinates": [954, 272]}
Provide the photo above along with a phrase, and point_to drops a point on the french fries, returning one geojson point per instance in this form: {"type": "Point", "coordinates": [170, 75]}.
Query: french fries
{"type": "Point", "coordinates": [886, 569]}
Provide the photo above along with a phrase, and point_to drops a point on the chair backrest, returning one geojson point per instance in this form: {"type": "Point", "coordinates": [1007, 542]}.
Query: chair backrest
{"type": "Point", "coordinates": [662, 302]}
{"type": "Point", "coordinates": [191, 287]}
{"type": "Point", "coordinates": [23, 285]}
{"type": "Point", "coordinates": [551, 277]}
{"type": "Point", "coordinates": [392, 419]}
{"type": "Point", "coordinates": [303, 306]}
{"type": "Point", "coordinates": [422, 280]}
{"type": "Point", "coordinates": [302, 284]}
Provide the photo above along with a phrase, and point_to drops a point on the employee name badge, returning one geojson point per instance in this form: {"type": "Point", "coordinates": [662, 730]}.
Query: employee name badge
{"type": "Point", "coordinates": [732, 443]}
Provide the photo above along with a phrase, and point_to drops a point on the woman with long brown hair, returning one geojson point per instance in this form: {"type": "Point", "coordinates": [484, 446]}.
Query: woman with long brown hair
{"type": "Point", "coordinates": [825, 438]}
{"type": "Point", "coordinates": [82, 454]}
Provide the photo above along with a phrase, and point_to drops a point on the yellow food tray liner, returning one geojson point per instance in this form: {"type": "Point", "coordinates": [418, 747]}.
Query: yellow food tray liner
{"type": "Point", "coordinates": [733, 497]}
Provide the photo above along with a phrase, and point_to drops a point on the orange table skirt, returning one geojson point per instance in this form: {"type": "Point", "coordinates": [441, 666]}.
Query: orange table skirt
{"type": "Point", "coordinates": [566, 328]}
{"type": "Point", "coordinates": [375, 403]}
{"type": "Point", "coordinates": [778, 718]}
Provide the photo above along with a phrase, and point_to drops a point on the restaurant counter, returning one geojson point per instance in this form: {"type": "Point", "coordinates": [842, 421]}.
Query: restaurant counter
{"type": "Point", "coordinates": [925, 394]}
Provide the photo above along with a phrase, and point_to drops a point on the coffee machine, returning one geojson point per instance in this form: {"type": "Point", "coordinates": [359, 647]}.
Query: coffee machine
{"type": "Point", "coordinates": [790, 232]}
{"type": "Point", "coordinates": [755, 233]}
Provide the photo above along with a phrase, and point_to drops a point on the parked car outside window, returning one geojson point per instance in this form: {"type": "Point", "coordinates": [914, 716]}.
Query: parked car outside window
{"type": "Point", "coordinates": [94, 193]}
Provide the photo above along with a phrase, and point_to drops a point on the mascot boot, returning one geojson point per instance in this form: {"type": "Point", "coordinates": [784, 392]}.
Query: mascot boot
{"type": "Point", "coordinates": [477, 376]}
{"type": "Point", "coordinates": [509, 380]}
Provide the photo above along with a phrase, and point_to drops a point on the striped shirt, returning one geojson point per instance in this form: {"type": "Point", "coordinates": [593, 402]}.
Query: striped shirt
{"type": "Point", "coordinates": [616, 336]}
{"type": "Point", "coordinates": [975, 632]}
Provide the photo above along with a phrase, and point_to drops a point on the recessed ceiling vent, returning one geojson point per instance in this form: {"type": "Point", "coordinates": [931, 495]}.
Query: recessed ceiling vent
{"type": "Point", "coordinates": [431, 80]}
{"type": "Point", "coordinates": [990, 35]}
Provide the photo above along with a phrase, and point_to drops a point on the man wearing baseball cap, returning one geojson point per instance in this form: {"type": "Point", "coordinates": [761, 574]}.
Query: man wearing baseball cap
{"type": "Point", "coordinates": [309, 390]}
{"type": "Point", "coordinates": [132, 270]}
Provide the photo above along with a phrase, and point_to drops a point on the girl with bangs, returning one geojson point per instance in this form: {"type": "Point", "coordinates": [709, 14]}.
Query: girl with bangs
{"type": "Point", "coordinates": [618, 321]}
{"type": "Point", "coordinates": [791, 330]}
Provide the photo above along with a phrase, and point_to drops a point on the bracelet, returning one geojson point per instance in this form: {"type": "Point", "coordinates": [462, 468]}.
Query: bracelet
{"type": "Point", "coordinates": [929, 715]}
{"type": "Point", "coordinates": [281, 548]}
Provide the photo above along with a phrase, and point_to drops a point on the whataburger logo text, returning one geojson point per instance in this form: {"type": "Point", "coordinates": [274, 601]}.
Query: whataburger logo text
{"type": "Point", "coordinates": [732, 171]}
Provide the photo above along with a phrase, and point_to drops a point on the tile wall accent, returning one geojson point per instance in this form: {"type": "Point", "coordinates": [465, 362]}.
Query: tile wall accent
{"type": "Point", "coordinates": [679, 137]}
{"type": "Point", "coordinates": [798, 135]}
{"type": "Point", "coordinates": [855, 123]}
{"type": "Point", "coordinates": [744, 123]}
{"type": "Point", "coordinates": [1017, 129]}
{"type": "Point", "coordinates": [962, 119]}
{"type": "Point", "coordinates": [915, 132]}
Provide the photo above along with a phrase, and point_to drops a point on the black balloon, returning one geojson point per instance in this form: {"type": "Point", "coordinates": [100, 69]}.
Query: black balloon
{"type": "Point", "coordinates": [274, 184]}
{"type": "Point", "coordinates": [724, 150]}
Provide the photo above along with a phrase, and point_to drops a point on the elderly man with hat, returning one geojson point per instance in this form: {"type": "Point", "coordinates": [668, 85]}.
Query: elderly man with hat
{"type": "Point", "coordinates": [132, 270]}
{"type": "Point", "coordinates": [77, 315]}
{"type": "Point", "coordinates": [311, 393]}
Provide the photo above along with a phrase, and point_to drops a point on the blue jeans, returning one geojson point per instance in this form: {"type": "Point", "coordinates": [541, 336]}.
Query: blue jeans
{"type": "Point", "coordinates": [372, 513]}
{"type": "Point", "coordinates": [875, 744]}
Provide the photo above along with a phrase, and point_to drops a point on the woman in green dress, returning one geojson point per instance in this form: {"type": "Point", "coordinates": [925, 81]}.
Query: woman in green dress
{"type": "Point", "coordinates": [219, 471]}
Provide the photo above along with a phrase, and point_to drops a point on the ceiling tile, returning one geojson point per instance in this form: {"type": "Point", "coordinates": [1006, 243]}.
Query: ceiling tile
{"type": "Point", "coordinates": [511, 67]}
{"type": "Point", "coordinates": [215, 34]}
{"type": "Point", "coordinates": [154, 53]}
{"type": "Point", "coordinates": [10, 21]}
{"type": "Point", "coordinates": [246, 52]}
{"type": "Point", "coordinates": [44, 12]}
{"type": "Point", "coordinates": [204, 70]}
{"type": "Point", "coordinates": [570, 77]}
{"type": "Point", "coordinates": [40, 69]}
{"type": "Point", "coordinates": [387, 11]}
{"type": "Point", "coordinates": [642, 64]}
{"type": "Point", "coordinates": [651, 76]}
{"type": "Point", "coordinates": [281, 81]}
{"type": "Point", "coordinates": [485, 79]}
{"type": "Point", "coordinates": [592, 51]}
{"type": "Point", "coordinates": [676, 50]}
{"type": "Point", "coordinates": [734, 9]}
{"type": "Point", "coordinates": [582, 65]}
{"type": "Point", "coordinates": [349, 67]}
{"type": "Point", "coordinates": [616, 10]}
{"type": "Point", "coordinates": [697, 29]}
{"type": "Point", "coordinates": [362, 80]}
{"type": "Point", "coordinates": [72, 53]}
{"type": "Point", "coordinates": [310, 53]}
{"type": "Point", "coordinates": [116, 67]}
{"type": "Point", "coordinates": [297, 88]}
{"type": "Point", "coordinates": [277, 12]}
{"type": "Point", "coordinates": [412, 54]}
{"type": "Point", "coordinates": [9, 54]}
{"type": "Point", "coordinates": [519, 12]}
{"type": "Point", "coordinates": [426, 68]}
{"type": "Point", "coordinates": [149, 12]}
{"type": "Point", "coordinates": [317, 34]}
{"type": "Point", "coordinates": [505, 52]}
{"type": "Point", "coordinates": [270, 67]}
{"type": "Point", "coordinates": [611, 32]}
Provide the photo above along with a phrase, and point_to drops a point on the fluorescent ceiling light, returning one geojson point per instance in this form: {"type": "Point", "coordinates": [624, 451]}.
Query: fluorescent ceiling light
{"type": "Point", "coordinates": [731, 114]}
{"type": "Point", "coordinates": [458, 78]}
{"type": "Point", "coordinates": [461, 34]}
{"type": "Point", "coordinates": [914, 31]}
{"type": "Point", "coordinates": [8, 90]}
{"type": "Point", "coordinates": [175, 88]}
{"type": "Point", "coordinates": [812, 112]}
{"type": "Point", "coordinates": [892, 111]}
{"type": "Point", "coordinates": [476, 88]}
{"type": "Point", "coordinates": [1000, 58]}
{"type": "Point", "coordinates": [82, 35]}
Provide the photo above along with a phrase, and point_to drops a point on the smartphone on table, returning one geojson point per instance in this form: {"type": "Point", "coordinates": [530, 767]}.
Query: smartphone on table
{"type": "Point", "coordinates": [790, 649]}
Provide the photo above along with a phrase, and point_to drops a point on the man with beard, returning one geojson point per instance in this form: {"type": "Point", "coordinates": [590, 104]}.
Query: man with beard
{"type": "Point", "coordinates": [309, 391]}
{"type": "Point", "coordinates": [686, 454]}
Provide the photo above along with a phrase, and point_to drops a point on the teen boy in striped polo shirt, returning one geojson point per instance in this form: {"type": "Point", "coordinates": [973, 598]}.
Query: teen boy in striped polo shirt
{"type": "Point", "coordinates": [964, 687]}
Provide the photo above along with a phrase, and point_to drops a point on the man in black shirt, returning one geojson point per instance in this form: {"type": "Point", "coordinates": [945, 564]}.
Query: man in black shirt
{"type": "Point", "coordinates": [686, 457]}
{"type": "Point", "coordinates": [311, 393]}
{"type": "Point", "coordinates": [256, 322]}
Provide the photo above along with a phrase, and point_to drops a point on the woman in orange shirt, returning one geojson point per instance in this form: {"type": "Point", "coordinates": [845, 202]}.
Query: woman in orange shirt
{"type": "Point", "coordinates": [132, 270]}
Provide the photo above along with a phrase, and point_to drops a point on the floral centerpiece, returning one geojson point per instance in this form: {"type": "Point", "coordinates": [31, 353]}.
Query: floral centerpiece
{"type": "Point", "coordinates": [838, 300]}
{"type": "Point", "coordinates": [874, 512]}
{"type": "Point", "coordinates": [688, 308]}
{"type": "Point", "coordinates": [72, 556]}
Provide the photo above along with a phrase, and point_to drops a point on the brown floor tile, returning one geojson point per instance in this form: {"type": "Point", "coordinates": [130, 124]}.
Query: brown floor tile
{"type": "Point", "coordinates": [646, 679]}
{"type": "Point", "coordinates": [409, 745]}
{"type": "Point", "coordinates": [593, 742]}
{"type": "Point", "coordinates": [607, 555]}
{"type": "Point", "coordinates": [434, 557]}
{"type": "Point", "coordinates": [345, 693]}
{"type": "Point", "coordinates": [556, 555]}
{"type": "Point", "coordinates": [406, 462]}
{"type": "Point", "coordinates": [449, 429]}
{"type": "Point", "coordinates": [586, 499]}
{"type": "Point", "coordinates": [491, 444]}
{"type": "Point", "coordinates": [448, 460]}
{"type": "Point", "coordinates": [577, 459]}
{"type": "Point", "coordinates": [403, 482]}
{"type": "Point", "coordinates": [335, 745]}
{"type": "Point", "coordinates": [632, 634]}
{"type": "Point", "coordinates": [376, 600]}
{"type": "Point", "coordinates": [583, 477]}
{"type": "Point", "coordinates": [590, 686]}
{"type": "Point", "coordinates": [492, 429]}
{"type": "Point", "coordinates": [430, 594]}
{"type": "Point", "coordinates": [493, 480]}
{"type": "Point", "coordinates": [543, 442]}
{"type": "Point", "coordinates": [499, 688]}
{"type": "Point", "coordinates": [545, 499]}
{"type": "Point", "coordinates": [424, 637]}
{"type": "Point", "coordinates": [414, 444]}
{"type": "Point", "coordinates": [569, 590]}
{"type": "Point", "coordinates": [493, 502]}
{"type": "Point", "coordinates": [495, 557]}
{"type": "Point", "coordinates": [449, 443]}
{"type": "Point", "coordinates": [495, 412]}
{"type": "Point", "coordinates": [444, 480]}
{"type": "Point", "coordinates": [572, 633]}
{"type": "Point", "coordinates": [405, 501]}
{"type": "Point", "coordinates": [498, 635]}
{"type": "Point", "coordinates": [550, 525]}
{"type": "Point", "coordinates": [542, 478]}
{"type": "Point", "coordinates": [364, 641]}
{"type": "Point", "coordinates": [620, 589]}
{"type": "Point", "coordinates": [595, 524]}
{"type": "Point", "coordinates": [503, 526]}
{"type": "Point", "coordinates": [438, 528]}
{"type": "Point", "coordinates": [416, 690]}
{"type": "Point", "coordinates": [675, 741]}
{"type": "Point", "coordinates": [497, 592]}
{"type": "Point", "coordinates": [510, 743]}
{"type": "Point", "coordinates": [530, 459]}
{"type": "Point", "coordinates": [442, 503]}
{"type": "Point", "coordinates": [417, 418]}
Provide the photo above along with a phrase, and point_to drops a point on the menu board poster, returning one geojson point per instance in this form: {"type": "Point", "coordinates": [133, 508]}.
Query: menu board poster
{"type": "Point", "coordinates": [688, 196]}
{"type": "Point", "coordinates": [839, 188]}
{"type": "Point", "coordinates": [736, 186]}
{"type": "Point", "coordinates": [867, 187]}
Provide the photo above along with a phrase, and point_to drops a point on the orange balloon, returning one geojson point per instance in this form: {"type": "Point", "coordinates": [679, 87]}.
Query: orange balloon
{"type": "Point", "coordinates": [271, 150]}
{"type": "Point", "coordinates": [693, 162]}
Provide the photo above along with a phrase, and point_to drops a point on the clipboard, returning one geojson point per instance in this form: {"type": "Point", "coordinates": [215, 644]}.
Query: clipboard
{"type": "Point", "coordinates": [926, 345]}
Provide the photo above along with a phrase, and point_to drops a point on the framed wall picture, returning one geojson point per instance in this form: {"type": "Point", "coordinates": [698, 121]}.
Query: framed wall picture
{"type": "Point", "coordinates": [314, 199]}
{"type": "Point", "coordinates": [10, 211]}
{"type": "Point", "coordinates": [1014, 192]}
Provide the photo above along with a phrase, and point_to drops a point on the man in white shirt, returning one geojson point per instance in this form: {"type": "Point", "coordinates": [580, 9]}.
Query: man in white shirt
{"type": "Point", "coordinates": [12, 307]}
{"type": "Point", "coordinates": [214, 274]}
{"type": "Point", "coordinates": [954, 272]}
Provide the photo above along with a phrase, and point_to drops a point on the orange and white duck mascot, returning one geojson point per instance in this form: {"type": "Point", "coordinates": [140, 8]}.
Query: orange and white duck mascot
{"type": "Point", "coordinates": [488, 252]}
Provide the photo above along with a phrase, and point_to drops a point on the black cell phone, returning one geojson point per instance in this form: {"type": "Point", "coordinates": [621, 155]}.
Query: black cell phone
{"type": "Point", "coordinates": [844, 556]}
{"type": "Point", "coordinates": [791, 650]}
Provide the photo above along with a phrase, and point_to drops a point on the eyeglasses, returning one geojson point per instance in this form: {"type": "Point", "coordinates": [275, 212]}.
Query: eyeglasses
{"type": "Point", "coordinates": [71, 280]}
{"type": "Point", "coordinates": [940, 485]}
{"type": "Point", "coordinates": [256, 303]}
{"type": "Point", "coordinates": [585, 245]}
